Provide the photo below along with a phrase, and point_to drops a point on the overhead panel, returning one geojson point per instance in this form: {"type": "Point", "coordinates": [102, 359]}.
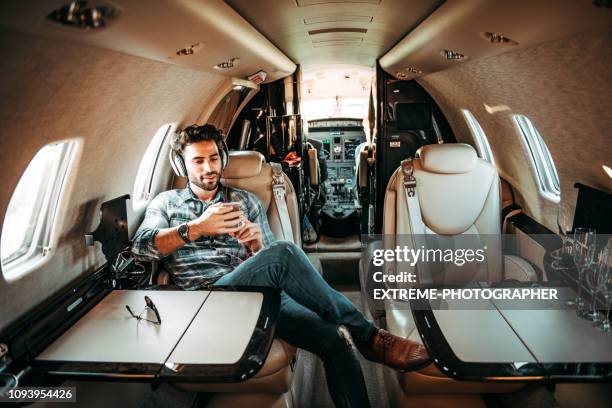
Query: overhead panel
{"type": "Point", "coordinates": [460, 31]}
{"type": "Point", "coordinates": [190, 33]}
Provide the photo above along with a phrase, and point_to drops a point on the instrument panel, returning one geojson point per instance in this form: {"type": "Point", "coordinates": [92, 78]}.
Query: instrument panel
{"type": "Point", "coordinates": [339, 146]}
{"type": "Point", "coordinates": [339, 139]}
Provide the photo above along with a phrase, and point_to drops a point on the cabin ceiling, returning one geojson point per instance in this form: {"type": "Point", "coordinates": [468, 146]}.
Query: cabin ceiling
{"type": "Point", "coordinates": [315, 33]}
{"type": "Point", "coordinates": [406, 35]}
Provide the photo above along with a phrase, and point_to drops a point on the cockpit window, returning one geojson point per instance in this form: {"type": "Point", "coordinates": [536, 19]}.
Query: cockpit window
{"type": "Point", "coordinates": [546, 173]}
{"type": "Point", "coordinates": [146, 171]}
{"type": "Point", "coordinates": [334, 107]}
{"type": "Point", "coordinates": [482, 143]}
{"type": "Point", "coordinates": [32, 210]}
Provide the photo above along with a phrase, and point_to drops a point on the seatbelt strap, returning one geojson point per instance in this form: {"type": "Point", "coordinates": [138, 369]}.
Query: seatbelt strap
{"type": "Point", "coordinates": [412, 198]}
{"type": "Point", "coordinates": [417, 226]}
{"type": "Point", "coordinates": [279, 189]}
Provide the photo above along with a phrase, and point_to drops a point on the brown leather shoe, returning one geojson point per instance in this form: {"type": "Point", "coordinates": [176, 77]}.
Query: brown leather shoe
{"type": "Point", "coordinates": [396, 352]}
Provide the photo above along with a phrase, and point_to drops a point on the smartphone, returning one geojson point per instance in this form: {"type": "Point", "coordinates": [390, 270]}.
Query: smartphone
{"type": "Point", "coordinates": [235, 207]}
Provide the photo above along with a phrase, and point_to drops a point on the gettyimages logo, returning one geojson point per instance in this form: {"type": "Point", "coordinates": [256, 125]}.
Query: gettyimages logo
{"type": "Point", "coordinates": [412, 256]}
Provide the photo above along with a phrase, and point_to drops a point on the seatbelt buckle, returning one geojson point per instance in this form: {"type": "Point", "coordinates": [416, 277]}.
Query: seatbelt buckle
{"type": "Point", "coordinates": [278, 181]}
{"type": "Point", "coordinates": [410, 185]}
{"type": "Point", "coordinates": [410, 182]}
{"type": "Point", "coordinates": [279, 191]}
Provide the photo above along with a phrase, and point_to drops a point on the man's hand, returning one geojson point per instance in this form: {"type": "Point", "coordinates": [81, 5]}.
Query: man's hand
{"type": "Point", "coordinates": [217, 219]}
{"type": "Point", "coordinates": [250, 235]}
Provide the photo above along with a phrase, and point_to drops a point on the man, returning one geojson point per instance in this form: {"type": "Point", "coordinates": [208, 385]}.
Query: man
{"type": "Point", "coordinates": [205, 241]}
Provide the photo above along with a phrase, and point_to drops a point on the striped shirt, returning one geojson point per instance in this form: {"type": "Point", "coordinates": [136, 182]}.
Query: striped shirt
{"type": "Point", "coordinates": [200, 263]}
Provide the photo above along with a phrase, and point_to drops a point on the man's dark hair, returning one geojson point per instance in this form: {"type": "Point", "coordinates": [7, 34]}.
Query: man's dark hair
{"type": "Point", "coordinates": [196, 133]}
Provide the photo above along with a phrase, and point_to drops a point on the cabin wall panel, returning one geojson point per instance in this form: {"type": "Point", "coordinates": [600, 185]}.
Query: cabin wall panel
{"type": "Point", "coordinates": [563, 86]}
{"type": "Point", "coordinates": [53, 90]}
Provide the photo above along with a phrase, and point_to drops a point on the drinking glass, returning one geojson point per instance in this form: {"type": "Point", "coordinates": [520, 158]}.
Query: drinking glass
{"type": "Point", "coordinates": [557, 254]}
{"type": "Point", "coordinates": [583, 253]}
{"type": "Point", "coordinates": [604, 284]}
{"type": "Point", "coordinates": [592, 281]}
{"type": "Point", "coordinates": [562, 257]}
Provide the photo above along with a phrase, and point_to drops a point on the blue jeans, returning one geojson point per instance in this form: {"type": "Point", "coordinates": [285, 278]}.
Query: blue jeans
{"type": "Point", "coordinates": [310, 316]}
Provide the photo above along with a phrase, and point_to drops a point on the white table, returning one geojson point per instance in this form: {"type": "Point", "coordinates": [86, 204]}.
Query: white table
{"type": "Point", "coordinates": [496, 342]}
{"type": "Point", "coordinates": [199, 329]}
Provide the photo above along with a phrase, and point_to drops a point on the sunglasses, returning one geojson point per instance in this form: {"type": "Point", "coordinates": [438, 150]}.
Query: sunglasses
{"type": "Point", "coordinates": [148, 305]}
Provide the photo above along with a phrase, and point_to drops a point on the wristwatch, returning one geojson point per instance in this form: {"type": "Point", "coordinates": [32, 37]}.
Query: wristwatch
{"type": "Point", "coordinates": [183, 231]}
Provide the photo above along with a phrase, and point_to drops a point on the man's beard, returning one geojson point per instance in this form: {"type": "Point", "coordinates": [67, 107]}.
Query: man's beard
{"type": "Point", "coordinates": [205, 185]}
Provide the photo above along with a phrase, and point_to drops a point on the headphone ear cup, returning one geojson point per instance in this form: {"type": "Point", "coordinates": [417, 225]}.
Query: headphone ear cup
{"type": "Point", "coordinates": [181, 163]}
{"type": "Point", "coordinates": [224, 155]}
{"type": "Point", "coordinates": [178, 163]}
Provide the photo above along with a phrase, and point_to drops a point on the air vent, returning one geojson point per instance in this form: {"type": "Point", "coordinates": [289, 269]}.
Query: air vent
{"type": "Point", "coordinates": [452, 55]}
{"type": "Point", "coordinates": [305, 3]}
{"type": "Point", "coordinates": [338, 30]}
{"type": "Point", "coordinates": [192, 49]}
{"type": "Point", "coordinates": [338, 19]}
{"type": "Point", "coordinates": [413, 70]}
{"type": "Point", "coordinates": [229, 64]}
{"type": "Point", "coordinates": [84, 15]}
{"type": "Point", "coordinates": [338, 42]}
{"type": "Point", "coordinates": [401, 75]}
{"type": "Point", "coordinates": [495, 38]}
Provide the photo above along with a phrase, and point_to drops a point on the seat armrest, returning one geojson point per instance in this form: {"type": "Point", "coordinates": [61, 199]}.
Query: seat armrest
{"type": "Point", "coordinates": [517, 268]}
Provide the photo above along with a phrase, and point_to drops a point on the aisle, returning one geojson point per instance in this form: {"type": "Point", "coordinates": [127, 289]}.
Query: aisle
{"type": "Point", "coordinates": [313, 390]}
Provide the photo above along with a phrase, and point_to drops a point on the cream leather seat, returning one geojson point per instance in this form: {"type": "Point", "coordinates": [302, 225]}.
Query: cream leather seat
{"type": "Point", "coordinates": [271, 386]}
{"type": "Point", "coordinates": [247, 170]}
{"type": "Point", "coordinates": [458, 193]}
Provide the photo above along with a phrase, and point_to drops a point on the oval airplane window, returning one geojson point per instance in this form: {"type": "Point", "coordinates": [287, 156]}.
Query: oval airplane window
{"type": "Point", "coordinates": [148, 164]}
{"type": "Point", "coordinates": [32, 210]}
{"type": "Point", "coordinates": [482, 143]}
{"type": "Point", "coordinates": [546, 173]}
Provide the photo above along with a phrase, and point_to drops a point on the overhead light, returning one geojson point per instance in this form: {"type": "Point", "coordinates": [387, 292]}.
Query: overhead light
{"type": "Point", "coordinates": [413, 70]}
{"type": "Point", "coordinates": [401, 75]}
{"type": "Point", "coordinates": [84, 15]}
{"type": "Point", "coordinates": [237, 87]}
{"type": "Point", "coordinates": [452, 55]}
{"type": "Point", "coordinates": [229, 64]}
{"type": "Point", "coordinates": [192, 49]}
{"type": "Point", "coordinates": [496, 38]}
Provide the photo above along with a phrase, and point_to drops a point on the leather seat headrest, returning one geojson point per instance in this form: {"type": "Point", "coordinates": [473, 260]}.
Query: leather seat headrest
{"type": "Point", "coordinates": [449, 158]}
{"type": "Point", "coordinates": [243, 164]}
